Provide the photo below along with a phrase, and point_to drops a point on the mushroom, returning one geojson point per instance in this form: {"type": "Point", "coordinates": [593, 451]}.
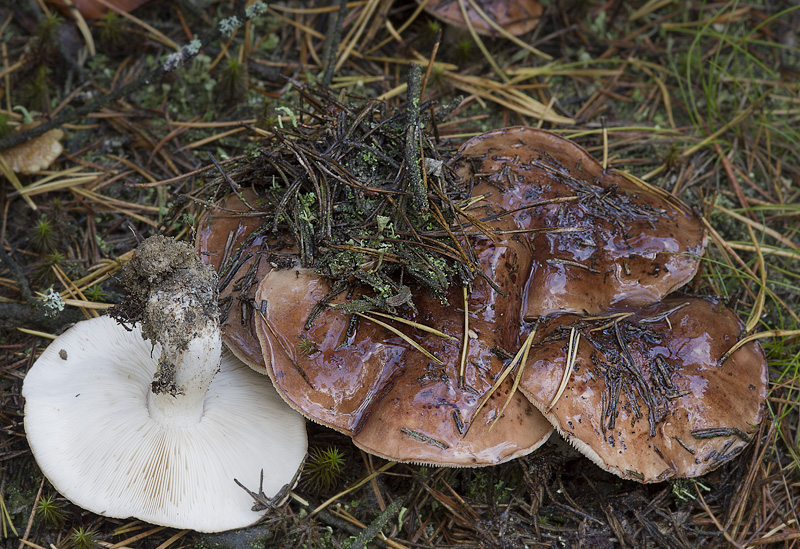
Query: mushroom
{"type": "Point", "coordinates": [600, 237]}
{"type": "Point", "coordinates": [94, 9]}
{"type": "Point", "coordinates": [229, 240]}
{"type": "Point", "coordinates": [646, 397]}
{"type": "Point", "coordinates": [515, 16]}
{"type": "Point", "coordinates": [36, 154]}
{"type": "Point", "coordinates": [395, 400]}
{"type": "Point", "coordinates": [160, 430]}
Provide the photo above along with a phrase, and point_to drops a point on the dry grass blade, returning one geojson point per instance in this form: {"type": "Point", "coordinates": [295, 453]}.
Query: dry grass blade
{"type": "Point", "coordinates": [760, 226]}
{"type": "Point", "coordinates": [505, 34]}
{"type": "Point", "coordinates": [8, 173]}
{"type": "Point", "coordinates": [649, 7]}
{"type": "Point", "coordinates": [55, 183]}
{"type": "Point", "coordinates": [572, 355]}
{"type": "Point", "coordinates": [36, 333]}
{"type": "Point", "coordinates": [5, 518]}
{"type": "Point", "coordinates": [405, 338]}
{"type": "Point", "coordinates": [355, 33]}
{"type": "Point", "coordinates": [612, 319]}
{"type": "Point", "coordinates": [658, 191]}
{"type": "Point", "coordinates": [172, 539]}
{"type": "Point", "coordinates": [506, 96]}
{"type": "Point", "coordinates": [526, 346]}
{"type": "Point", "coordinates": [477, 39]}
{"type": "Point", "coordinates": [356, 485]}
{"type": "Point", "coordinates": [523, 352]}
{"type": "Point", "coordinates": [465, 341]}
{"type": "Point", "coordinates": [156, 34]}
{"type": "Point", "coordinates": [136, 538]}
{"type": "Point", "coordinates": [758, 308]}
{"type": "Point", "coordinates": [753, 337]}
{"type": "Point", "coordinates": [416, 325]}
{"type": "Point", "coordinates": [731, 124]}
{"type": "Point", "coordinates": [80, 22]}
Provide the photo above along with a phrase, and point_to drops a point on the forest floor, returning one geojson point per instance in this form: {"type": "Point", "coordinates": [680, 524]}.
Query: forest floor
{"type": "Point", "coordinates": [700, 99]}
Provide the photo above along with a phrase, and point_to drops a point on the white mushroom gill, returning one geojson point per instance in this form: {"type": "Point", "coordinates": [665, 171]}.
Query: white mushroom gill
{"type": "Point", "coordinates": [159, 428]}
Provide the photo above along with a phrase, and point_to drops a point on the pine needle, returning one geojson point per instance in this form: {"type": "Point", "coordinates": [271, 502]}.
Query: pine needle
{"type": "Point", "coordinates": [511, 365]}
{"type": "Point", "coordinates": [405, 338]}
{"type": "Point", "coordinates": [760, 335]}
{"type": "Point", "coordinates": [572, 355]}
{"type": "Point", "coordinates": [416, 325]}
{"type": "Point", "coordinates": [517, 378]}
{"type": "Point", "coordinates": [465, 342]}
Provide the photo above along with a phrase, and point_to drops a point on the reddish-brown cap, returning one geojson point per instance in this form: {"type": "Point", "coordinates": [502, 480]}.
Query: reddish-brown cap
{"type": "Point", "coordinates": [647, 398]}
{"type": "Point", "coordinates": [228, 239]}
{"type": "Point", "coordinates": [92, 9]}
{"type": "Point", "coordinates": [600, 237]}
{"type": "Point", "coordinates": [515, 16]}
{"type": "Point", "coordinates": [392, 399]}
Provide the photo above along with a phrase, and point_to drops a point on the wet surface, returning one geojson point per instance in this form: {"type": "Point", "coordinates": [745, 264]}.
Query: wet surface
{"type": "Point", "coordinates": [391, 398]}
{"type": "Point", "coordinates": [515, 17]}
{"type": "Point", "coordinates": [647, 396]}
{"type": "Point", "coordinates": [229, 241]}
{"type": "Point", "coordinates": [599, 239]}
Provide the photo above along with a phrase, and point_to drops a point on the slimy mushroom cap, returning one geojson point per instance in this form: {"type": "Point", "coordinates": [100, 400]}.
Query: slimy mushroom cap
{"type": "Point", "coordinates": [392, 399]}
{"type": "Point", "coordinates": [600, 237]}
{"type": "Point", "coordinates": [515, 16]}
{"type": "Point", "coordinates": [227, 240]}
{"type": "Point", "coordinates": [647, 398]}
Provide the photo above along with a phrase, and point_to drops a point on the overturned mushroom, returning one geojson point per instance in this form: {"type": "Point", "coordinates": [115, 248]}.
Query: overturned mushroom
{"type": "Point", "coordinates": [642, 393]}
{"type": "Point", "coordinates": [515, 16]}
{"type": "Point", "coordinates": [393, 398]}
{"type": "Point", "coordinates": [162, 429]}
{"type": "Point", "coordinates": [230, 240]}
{"type": "Point", "coordinates": [600, 237]}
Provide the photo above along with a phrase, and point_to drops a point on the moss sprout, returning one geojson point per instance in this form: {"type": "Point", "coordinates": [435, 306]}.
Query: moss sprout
{"type": "Point", "coordinates": [82, 538]}
{"type": "Point", "coordinates": [50, 512]}
{"type": "Point", "coordinates": [323, 469]}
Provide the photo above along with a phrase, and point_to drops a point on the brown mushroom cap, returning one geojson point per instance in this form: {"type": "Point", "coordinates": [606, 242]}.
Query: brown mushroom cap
{"type": "Point", "coordinates": [91, 9]}
{"type": "Point", "coordinates": [393, 400]}
{"type": "Point", "coordinates": [226, 241]}
{"type": "Point", "coordinates": [622, 241]}
{"type": "Point", "coordinates": [516, 17]}
{"type": "Point", "coordinates": [36, 154]}
{"type": "Point", "coordinates": [659, 405]}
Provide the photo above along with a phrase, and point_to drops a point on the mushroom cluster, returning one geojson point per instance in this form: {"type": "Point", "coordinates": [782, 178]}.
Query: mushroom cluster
{"type": "Point", "coordinates": [487, 16]}
{"type": "Point", "coordinates": [578, 265]}
{"type": "Point", "coordinates": [153, 420]}
{"type": "Point", "coordinates": [390, 393]}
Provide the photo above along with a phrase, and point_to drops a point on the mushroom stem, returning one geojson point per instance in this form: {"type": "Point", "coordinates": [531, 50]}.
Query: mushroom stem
{"type": "Point", "coordinates": [177, 306]}
{"type": "Point", "coordinates": [181, 382]}
{"type": "Point", "coordinates": [191, 348]}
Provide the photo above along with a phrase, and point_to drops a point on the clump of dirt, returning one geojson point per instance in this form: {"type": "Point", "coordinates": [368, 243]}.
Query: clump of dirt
{"type": "Point", "coordinates": [170, 292]}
